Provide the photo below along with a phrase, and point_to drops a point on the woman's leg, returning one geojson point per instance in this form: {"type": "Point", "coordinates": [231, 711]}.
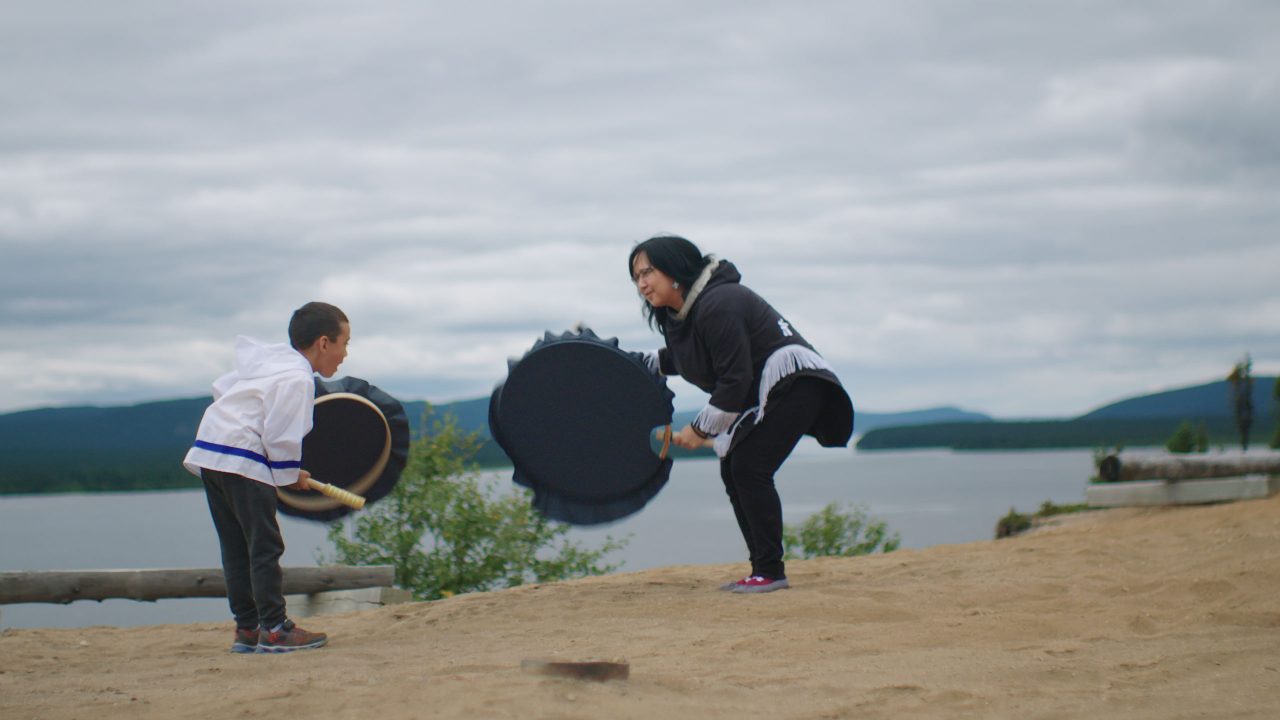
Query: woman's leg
{"type": "Point", "coordinates": [730, 489]}
{"type": "Point", "coordinates": [751, 466]}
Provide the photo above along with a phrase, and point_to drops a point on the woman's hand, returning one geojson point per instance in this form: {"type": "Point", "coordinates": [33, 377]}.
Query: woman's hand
{"type": "Point", "coordinates": [690, 440]}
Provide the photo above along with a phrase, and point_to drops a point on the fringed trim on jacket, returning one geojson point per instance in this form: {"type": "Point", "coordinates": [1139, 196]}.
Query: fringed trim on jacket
{"type": "Point", "coordinates": [786, 360]}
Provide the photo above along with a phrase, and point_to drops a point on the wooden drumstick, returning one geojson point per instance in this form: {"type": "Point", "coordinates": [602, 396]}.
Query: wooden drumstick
{"type": "Point", "coordinates": [664, 435]}
{"type": "Point", "coordinates": [349, 499]}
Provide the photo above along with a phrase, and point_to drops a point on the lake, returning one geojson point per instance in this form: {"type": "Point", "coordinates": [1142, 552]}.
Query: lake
{"type": "Point", "coordinates": [929, 497]}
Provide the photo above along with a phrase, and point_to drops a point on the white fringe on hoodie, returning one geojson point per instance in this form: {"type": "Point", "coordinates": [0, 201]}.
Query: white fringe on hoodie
{"type": "Point", "coordinates": [784, 361]}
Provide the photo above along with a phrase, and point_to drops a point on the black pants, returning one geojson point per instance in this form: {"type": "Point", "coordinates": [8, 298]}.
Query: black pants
{"type": "Point", "coordinates": [747, 471]}
{"type": "Point", "coordinates": [244, 514]}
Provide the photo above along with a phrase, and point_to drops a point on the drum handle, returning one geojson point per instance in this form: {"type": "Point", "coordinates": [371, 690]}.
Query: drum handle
{"type": "Point", "coordinates": [349, 499]}
{"type": "Point", "coordinates": [666, 442]}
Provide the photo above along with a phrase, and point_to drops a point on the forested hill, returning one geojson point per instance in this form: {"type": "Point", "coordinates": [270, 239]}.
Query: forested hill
{"type": "Point", "coordinates": [79, 449]}
{"type": "Point", "coordinates": [1142, 421]}
{"type": "Point", "coordinates": [1213, 399]}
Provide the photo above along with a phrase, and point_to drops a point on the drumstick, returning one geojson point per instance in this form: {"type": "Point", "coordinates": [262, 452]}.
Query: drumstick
{"type": "Point", "coordinates": [349, 499]}
{"type": "Point", "coordinates": [664, 436]}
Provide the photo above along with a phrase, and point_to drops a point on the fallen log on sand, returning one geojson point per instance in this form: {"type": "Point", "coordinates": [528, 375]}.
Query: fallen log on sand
{"type": "Point", "coordinates": [1114, 469]}
{"type": "Point", "coordinates": [68, 586]}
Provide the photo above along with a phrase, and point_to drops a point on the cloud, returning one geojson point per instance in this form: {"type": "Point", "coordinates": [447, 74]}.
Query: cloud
{"type": "Point", "coordinates": [1022, 208]}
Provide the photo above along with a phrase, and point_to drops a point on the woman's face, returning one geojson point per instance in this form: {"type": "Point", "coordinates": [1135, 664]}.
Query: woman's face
{"type": "Point", "coordinates": [657, 288]}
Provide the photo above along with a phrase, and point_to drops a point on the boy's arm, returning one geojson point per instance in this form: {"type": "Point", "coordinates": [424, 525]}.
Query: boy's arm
{"type": "Point", "coordinates": [288, 419]}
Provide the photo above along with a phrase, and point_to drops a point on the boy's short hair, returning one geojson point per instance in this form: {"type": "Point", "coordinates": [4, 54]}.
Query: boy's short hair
{"type": "Point", "coordinates": [313, 320]}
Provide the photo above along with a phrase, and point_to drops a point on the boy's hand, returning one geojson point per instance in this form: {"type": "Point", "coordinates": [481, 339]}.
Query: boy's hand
{"type": "Point", "coordinates": [302, 482]}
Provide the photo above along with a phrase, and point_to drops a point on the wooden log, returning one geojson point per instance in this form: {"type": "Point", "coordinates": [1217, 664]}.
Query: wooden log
{"type": "Point", "coordinates": [148, 585]}
{"type": "Point", "coordinates": [1114, 469]}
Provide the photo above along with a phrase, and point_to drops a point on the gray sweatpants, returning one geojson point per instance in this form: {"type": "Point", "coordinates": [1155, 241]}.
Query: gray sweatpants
{"type": "Point", "coordinates": [244, 514]}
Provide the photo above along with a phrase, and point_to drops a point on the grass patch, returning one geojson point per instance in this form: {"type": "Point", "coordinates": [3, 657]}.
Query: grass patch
{"type": "Point", "coordinates": [1016, 523]}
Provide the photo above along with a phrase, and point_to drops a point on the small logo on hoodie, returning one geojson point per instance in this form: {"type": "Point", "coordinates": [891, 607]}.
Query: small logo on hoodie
{"type": "Point", "coordinates": [786, 329]}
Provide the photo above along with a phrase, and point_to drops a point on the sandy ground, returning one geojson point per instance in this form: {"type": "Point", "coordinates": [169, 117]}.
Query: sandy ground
{"type": "Point", "coordinates": [1151, 613]}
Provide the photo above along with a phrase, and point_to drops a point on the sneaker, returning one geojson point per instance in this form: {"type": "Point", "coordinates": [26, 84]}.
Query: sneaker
{"type": "Point", "coordinates": [288, 638]}
{"type": "Point", "coordinates": [731, 586]}
{"type": "Point", "coordinates": [760, 584]}
{"type": "Point", "coordinates": [246, 641]}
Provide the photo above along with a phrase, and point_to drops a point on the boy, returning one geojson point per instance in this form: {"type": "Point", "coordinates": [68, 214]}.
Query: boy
{"type": "Point", "coordinates": [248, 444]}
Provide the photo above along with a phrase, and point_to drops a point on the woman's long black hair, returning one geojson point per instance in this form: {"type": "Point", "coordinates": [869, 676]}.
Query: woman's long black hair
{"type": "Point", "coordinates": [676, 258]}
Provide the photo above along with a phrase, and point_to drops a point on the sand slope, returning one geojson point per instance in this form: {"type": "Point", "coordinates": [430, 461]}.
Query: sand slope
{"type": "Point", "coordinates": [1160, 613]}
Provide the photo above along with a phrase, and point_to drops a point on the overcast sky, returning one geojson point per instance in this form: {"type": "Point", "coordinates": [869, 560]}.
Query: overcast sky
{"type": "Point", "coordinates": [1024, 208]}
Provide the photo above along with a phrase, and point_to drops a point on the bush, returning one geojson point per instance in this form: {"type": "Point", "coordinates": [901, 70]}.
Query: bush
{"type": "Point", "coordinates": [1048, 509]}
{"type": "Point", "coordinates": [833, 532]}
{"type": "Point", "coordinates": [446, 532]}
{"type": "Point", "coordinates": [1015, 522]}
{"type": "Point", "coordinates": [1183, 439]}
{"type": "Point", "coordinates": [1012, 524]}
{"type": "Point", "coordinates": [1275, 394]}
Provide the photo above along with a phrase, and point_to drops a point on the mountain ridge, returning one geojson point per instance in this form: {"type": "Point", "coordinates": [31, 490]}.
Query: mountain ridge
{"type": "Point", "coordinates": [1139, 421]}
{"type": "Point", "coordinates": [140, 446]}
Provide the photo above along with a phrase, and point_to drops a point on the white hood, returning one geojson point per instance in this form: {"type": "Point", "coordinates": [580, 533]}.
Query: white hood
{"type": "Point", "coordinates": [256, 359]}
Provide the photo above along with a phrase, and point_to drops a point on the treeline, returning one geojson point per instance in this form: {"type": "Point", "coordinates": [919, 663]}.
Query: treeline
{"type": "Point", "coordinates": [41, 470]}
{"type": "Point", "coordinates": [108, 470]}
{"type": "Point", "coordinates": [1052, 434]}
{"type": "Point", "coordinates": [100, 470]}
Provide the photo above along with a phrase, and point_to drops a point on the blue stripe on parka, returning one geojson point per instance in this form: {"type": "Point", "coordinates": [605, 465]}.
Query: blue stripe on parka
{"type": "Point", "coordinates": [228, 450]}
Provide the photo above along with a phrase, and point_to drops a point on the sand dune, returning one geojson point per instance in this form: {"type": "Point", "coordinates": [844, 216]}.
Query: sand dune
{"type": "Point", "coordinates": [1153, 613]}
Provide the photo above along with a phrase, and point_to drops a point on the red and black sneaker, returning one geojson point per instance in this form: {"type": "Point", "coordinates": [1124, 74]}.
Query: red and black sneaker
{"type": "Point", "coordinates": [289, 637]}
{"type": "Point", "coordinates": [246, 641]}
{"type": "Point", "coordinates": [760, 584]}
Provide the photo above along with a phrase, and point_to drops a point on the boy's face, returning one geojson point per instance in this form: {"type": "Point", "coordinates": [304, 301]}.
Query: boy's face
{"type": "Point", "coordinates": [328, 354]}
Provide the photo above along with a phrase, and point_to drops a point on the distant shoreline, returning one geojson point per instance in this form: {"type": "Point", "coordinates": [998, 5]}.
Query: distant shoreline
{"type": "Point", "coordinates": [1057, 434]}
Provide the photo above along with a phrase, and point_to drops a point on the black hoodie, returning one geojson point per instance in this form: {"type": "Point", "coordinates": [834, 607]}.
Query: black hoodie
{"type": "Point", "coordinates": [721, 343]}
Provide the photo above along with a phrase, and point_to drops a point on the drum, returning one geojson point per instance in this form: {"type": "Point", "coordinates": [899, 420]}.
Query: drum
{"type": "Point", "coordinates": [576, 415]}
{"type": "Point", "coordinates": [359, 442]}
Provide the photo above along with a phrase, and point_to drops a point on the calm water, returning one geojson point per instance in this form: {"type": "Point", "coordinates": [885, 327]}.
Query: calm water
{"type": "Point", "coordinates": [930, 497]}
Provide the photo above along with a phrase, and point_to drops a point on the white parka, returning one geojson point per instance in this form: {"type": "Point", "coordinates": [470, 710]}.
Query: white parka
{"type": "Point", "coordinates": [260, 413]}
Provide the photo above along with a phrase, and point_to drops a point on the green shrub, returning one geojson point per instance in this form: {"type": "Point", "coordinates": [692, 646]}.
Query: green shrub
{"type": "Point", "coordinates": [1012, 524]}
{"type": "Point", "coordinates": [1202, 438]}
{"type": "Point", "coordinates": [1183, 439]}
{"type": "Point", "coordinates": [1016, 522]}
{"type": "Point", "coordinates": [1048, 509]}
{"type": "Point", "coordinates": [835, 532]}
{"type": "Point", "coordinates": [446, 532]}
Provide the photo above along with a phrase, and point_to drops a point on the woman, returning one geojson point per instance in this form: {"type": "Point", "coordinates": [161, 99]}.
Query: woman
{"type": "Point", "coordinates": [768, 386]}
